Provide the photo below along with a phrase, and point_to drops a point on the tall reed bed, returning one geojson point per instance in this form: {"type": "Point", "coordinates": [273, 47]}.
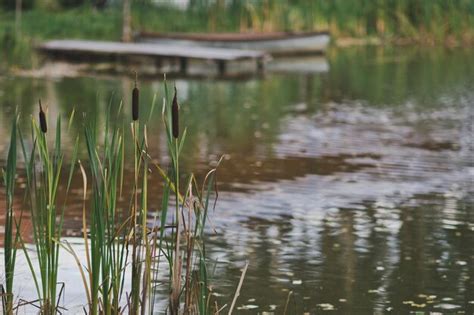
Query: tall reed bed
{"type": "Point", "coordinates": [130, 250]}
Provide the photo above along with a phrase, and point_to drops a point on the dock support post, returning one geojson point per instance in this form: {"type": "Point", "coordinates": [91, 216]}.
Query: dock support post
{"type": "Point", "coordinates": [183, 65]}
{"type": "Point", "coordinates": [221, 67]}
{"type": "Point", "coordinates": [260, 65]}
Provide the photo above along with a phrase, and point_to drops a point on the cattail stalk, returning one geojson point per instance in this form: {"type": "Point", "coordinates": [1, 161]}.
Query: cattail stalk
{"type": "Point", "coordinates": [175, 115]}
{"type": "Point", "coordinates": [42, 119]}
{"type": "Point", "coordinates": [136, 267]}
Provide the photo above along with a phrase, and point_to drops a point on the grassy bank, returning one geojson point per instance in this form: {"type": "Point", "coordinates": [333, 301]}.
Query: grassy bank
{"type": "Point", "coordinates": [349, 21]}
{"type": "Point", "coordinates": [427, 21]}
{"type": "Point", "coordinates": [37, 25]}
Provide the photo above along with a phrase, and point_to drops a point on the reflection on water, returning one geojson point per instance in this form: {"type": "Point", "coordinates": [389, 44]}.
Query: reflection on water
{"type": "Point", "coordinates": [350, 188]}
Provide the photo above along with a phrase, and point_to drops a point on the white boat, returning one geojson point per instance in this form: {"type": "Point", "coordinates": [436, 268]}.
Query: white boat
{"type": "Point", "coordinates": [276, 43]}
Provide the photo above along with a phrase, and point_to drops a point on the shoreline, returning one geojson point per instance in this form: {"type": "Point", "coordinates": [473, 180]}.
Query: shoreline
{"type": "Point", "coordinates": [34, 67]}
{"type": "Point", "coordinates": [427, 41]}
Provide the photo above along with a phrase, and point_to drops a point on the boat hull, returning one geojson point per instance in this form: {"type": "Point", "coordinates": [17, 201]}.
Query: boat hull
{"type": "Point", "coordinates": [288, 45]}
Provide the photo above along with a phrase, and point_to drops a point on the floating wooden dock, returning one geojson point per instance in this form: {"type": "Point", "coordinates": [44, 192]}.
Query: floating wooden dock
{"type": "Point", "coordinates": [161, 56]}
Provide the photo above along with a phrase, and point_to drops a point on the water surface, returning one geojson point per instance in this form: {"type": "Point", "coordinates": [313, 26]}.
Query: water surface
{"type": "Point", "coordinates": [352, 188]}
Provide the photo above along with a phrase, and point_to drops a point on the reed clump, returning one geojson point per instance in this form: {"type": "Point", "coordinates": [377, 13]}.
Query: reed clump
{"type": "Point", "coordinates": [12, 222]}
{"type": "Point", "coordinates": [130, 250]}
{"type": "Point", "coordinates": [43, 168]}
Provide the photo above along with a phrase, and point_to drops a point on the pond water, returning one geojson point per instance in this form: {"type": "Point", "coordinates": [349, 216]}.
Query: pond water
{"type": "Point", "coordinates": [350, 187]}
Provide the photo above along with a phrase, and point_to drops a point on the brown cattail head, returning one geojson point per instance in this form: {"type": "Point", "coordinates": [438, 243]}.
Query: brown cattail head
{"type": "Point", "coordinates": [135, 94]}
{"type": "Point", "coordinates": [42, 119]}
{"type": "Point", "coordinates": [175, 115]}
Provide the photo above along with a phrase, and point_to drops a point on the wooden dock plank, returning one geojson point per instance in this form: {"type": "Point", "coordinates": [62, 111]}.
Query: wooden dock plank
{"type": "Point", "coordinates": [149, 49]}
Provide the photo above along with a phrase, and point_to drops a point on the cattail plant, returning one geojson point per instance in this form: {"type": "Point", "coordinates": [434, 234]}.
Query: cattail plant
{"type": "Point", "coordinates": [43, 183]}
{"type": "Point", "coordinates": [177, 263]}
{"type": "Point", "coordinates": [106, 244]}
{"type": "Point", "coordinates": [188, 271]}
{"type": "Point", "coordinates": [134, 303]}
{"type": "Point", "coordinates": [120, 246]}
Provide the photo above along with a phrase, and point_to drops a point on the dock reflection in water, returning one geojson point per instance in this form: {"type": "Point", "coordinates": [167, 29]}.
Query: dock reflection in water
{"type": "Point", "coordinates": [351, 188]}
